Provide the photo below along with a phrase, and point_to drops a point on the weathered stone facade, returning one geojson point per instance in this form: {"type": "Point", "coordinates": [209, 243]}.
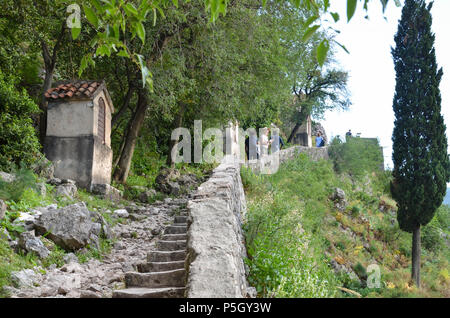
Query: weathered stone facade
{"type": "Point", "coordinates": [78, 134]}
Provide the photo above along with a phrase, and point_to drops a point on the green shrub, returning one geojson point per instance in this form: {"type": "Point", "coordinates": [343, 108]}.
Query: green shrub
{"type": "Point", "coordinates": [284, 259]}
{"type": "Point", "coordinates": [13, 191]}
{"type": "Point", "coordinates": [356, 157]}
{"type": "Point", "coordinates": [18, 141]}
{"type": "Point", "coordinates": [431, 236]}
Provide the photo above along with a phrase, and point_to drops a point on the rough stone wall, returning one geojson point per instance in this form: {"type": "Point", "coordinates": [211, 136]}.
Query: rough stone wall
{"type": "Point", "coordinates": [102, 164]}
{"type": "Point", "coordinates": [270, 164]}
{"type": "Point", "coordinates": [72, 157]}
{"type": "Point", "coordinates": [216, 247]}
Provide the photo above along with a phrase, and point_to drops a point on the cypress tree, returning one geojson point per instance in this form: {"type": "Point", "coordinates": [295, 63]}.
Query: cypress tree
{"type": "Point", "coordinates": [421, 162]}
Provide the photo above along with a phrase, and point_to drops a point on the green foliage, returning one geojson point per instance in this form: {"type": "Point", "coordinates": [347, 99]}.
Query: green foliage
{"type": "Point", "coordinates": [13, 191]}
{"type": "Point", "coordinates": [433, 233]}
{"type": "Point", "coordinates": [18, 142]}
{"type": "Point", "coordinates": [421, 163]}
{"type": "Point", "coordinates": [10, 262]}
{"type": "Point", "coordinates": [56, 257]}
{"type": "Point", "coordinates": [92, 252]}
{"type": "Point", "coordinates": [357, 156]}
{"type": "Point", "coordinates": [291, 224]}
{"type": "Point", "coordinates": [285, 210]}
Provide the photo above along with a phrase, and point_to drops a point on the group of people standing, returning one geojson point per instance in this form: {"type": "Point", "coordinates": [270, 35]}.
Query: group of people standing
{"type": "Point", "coordinates": [255, 148]}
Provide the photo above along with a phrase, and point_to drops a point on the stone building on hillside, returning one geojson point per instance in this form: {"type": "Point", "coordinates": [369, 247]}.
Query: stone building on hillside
{"type": "Point", "coordinates": [78, 132]}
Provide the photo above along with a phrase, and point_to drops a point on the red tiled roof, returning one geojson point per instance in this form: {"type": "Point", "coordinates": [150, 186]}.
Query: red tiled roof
{"type": "Point", "coordinates": [78, 89]}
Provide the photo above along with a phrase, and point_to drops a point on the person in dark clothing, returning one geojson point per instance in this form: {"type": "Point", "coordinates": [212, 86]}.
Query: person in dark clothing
{"type": "Point", "coordinates": [281, 142]}
{"type": "Point", "coordinates": [251, 147]}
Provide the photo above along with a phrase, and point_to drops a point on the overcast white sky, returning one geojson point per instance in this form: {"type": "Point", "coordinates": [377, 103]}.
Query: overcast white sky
{"type": "Point", "coordinates": [372, 74]}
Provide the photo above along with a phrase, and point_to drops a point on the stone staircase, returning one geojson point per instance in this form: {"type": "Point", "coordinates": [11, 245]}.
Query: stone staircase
{"type": "Point", "coordinates": [163, 275]}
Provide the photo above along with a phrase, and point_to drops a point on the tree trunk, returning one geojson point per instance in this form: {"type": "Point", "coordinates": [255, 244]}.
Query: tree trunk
{"type": "Point", "coordinates": [297, 125]}
{"type": "Point", "coordinates": [50, 65]}
{"type": "Point", "coordinates": [415, 271]}
{"type": "Point", "coordinates": [172, 143]}
{"type": "Point", "coordinates": [125, 105]}
{"type": "Point", "coordinates": [43, 106]}
{"type": "Point", "coordinates": [123, 168]}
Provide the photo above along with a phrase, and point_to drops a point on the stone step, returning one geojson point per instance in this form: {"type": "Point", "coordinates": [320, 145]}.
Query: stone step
{"type": "Point", "coordinates": [180, 219]}
{"type": "Point", "coordinates": [174, 278]}
{"type": "Point", "coordinates": [166, 256]}
{"type": "Point", "coordinates": [159, 266]}
{"type": "Point", "coordinates": [180, 228]}
{"type": "Point", "coordinates": [174, 237]}
{"type": "Point", "coordinates": [166, 292]}
{"type": "Point", "coordinates": [171, 245]}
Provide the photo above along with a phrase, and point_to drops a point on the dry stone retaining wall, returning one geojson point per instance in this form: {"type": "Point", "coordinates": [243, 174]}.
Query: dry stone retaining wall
{"type": "Point", "coordinates": [216, 246]}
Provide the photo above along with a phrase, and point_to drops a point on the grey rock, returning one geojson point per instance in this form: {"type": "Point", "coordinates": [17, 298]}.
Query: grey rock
{"type": "Point", "coordinates": [165, 180]}
{"type": "Point", "coordinates": [89, 294]}
{"type": "Point", "coordinates": [137, 217]}
{"type": "Point", "coordinates": [42, 189]}
{"type": "Point", "coordinates": [69, 227]}
{"type": "Point", "coordinates": [339, 199]}
{"type": "Point", "coordinates": [188, 180]}
{"type": "Point", "coordinates": [96, 229]}
{"type": "Point", "coordinates": [27, 220]}
{"type": "Point", "coordinates": [107, 192]}
{"type": "Point", "coordinates": [121, 213]}
{"type": "Point", "coordinates": [25, 278]}
{"type": "Point", "coordinates": [95, 288]}
{"type": "Point", "coordinates": [44, 168]}
{"type": "Point", "coordinates": [7, 177]}
{"type": "Point", "coordinates": [62, 283]}
{"type": "Point", "coordinates": [156, 231]}
{"type": "Point", "coordinates": [175, 188]}
{"type": "Point", "coordinates": [73, 267]}
{"type": "Point", "coordinates": [4, 234]}
{"type": "Point", "coordinates": [54, 181]}
{"type": "Point", "coordinates": [68, 181]}
{"type": "Point", "coordinates": [119, 246]}
{"type": "Point", "coordinates": [147, 195]}
{"type": "Point", "coordinates": [67, 190]}
{"type": "Point", "coordinates": [70, 258]}
{"type": "Point", "coordinates": [32, 244]}
{"type": "Point", "coordinates": [251, 292]}
{"type": "Point", "coordinates": [14, 245]}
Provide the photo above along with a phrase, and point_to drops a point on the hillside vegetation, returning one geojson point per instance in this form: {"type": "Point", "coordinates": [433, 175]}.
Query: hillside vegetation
{"type": "Point", "coordinates": [300, 245]}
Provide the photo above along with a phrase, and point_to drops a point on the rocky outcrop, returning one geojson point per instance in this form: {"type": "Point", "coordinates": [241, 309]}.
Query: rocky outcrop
{"type": "Point", "coordinates": [25, 278]}
{"type": "Point", "coordinates": [43, 168]}
{"type": "Point", "coordinates": [32, 244]}
{"type": "Point", "coordinates": [147, 195]}
{"type": "Point", "coordinates": [70, 227]}
{"type": "Point", "coordinates": [7, 177]}
{"type": "Point", "coordinates": [169, 181]}
{"type": "Point", "coordinates": [338, 197]}
{"type": "Point", "coordinates": [107, 192]}
{"type": "Point", "coordinates": [165, 181]}
{"type": "Point", "coordinates": [216, 248]}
